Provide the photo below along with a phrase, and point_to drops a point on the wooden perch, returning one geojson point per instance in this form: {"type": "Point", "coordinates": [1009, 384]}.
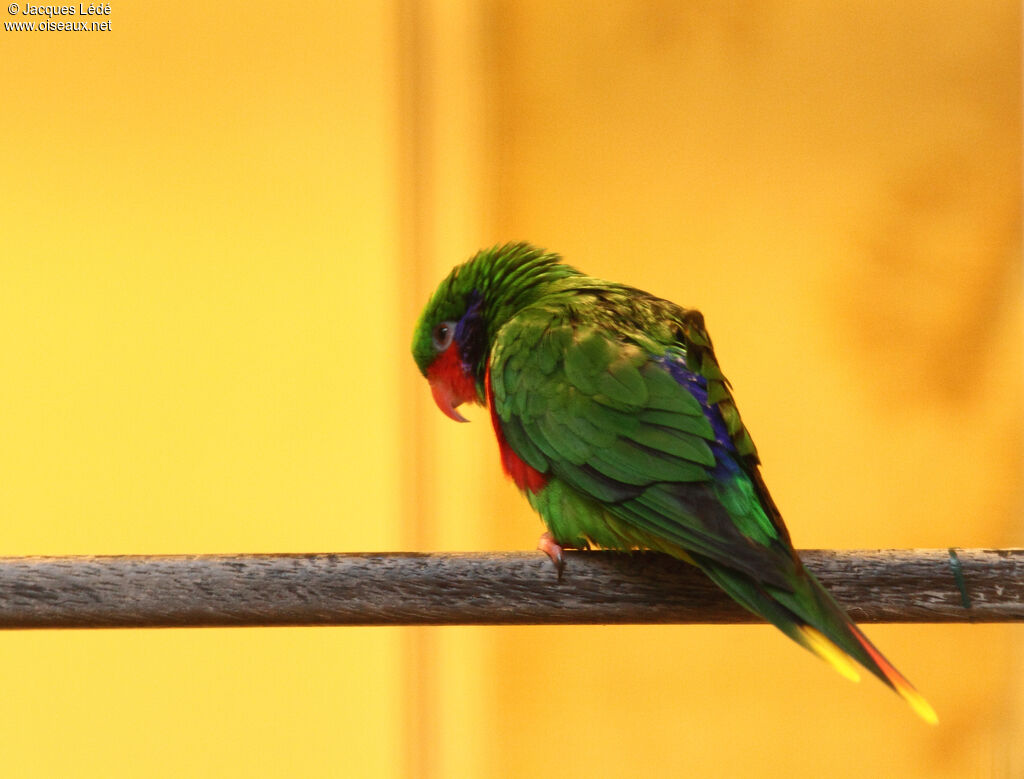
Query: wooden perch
{"type": "Point", "coordinates": [511, 588]}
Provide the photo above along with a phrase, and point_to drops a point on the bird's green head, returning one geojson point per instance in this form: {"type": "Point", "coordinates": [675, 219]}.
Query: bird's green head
{"type": "Point", "coordinates": [456, 330]}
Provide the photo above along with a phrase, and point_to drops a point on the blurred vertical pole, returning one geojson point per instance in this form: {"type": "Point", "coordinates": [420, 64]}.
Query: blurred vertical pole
{"type": "Point", "coordinates": [418, 505]}
{"type": "Point", "coordinates": [463, 458]}
{"type": "Point", "coordinates": [443, 156]}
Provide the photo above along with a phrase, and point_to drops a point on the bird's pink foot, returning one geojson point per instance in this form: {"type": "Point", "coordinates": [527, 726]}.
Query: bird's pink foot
{"type": "Point", "coordinates": [547, 544]}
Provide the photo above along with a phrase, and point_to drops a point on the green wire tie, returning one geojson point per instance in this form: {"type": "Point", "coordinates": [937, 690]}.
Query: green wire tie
{"type": "Point", "coordinates": [958, 577]}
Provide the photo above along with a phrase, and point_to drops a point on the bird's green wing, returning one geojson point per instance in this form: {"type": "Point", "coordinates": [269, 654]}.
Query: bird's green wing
{"type": "Point", "coordinates": [640, 445]}
{"type": "Point", "coordinates": [625, 424]}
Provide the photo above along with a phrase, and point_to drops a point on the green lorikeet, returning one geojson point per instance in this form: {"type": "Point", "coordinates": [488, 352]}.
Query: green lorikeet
{"type": "Point", "coordinates": [615, 421]}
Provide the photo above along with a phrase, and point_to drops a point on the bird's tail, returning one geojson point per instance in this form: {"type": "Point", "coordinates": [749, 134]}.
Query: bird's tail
{"type": "Point", "coordinates": [818, 643]}
{"type": "Point", "coordinates": [810, 616]}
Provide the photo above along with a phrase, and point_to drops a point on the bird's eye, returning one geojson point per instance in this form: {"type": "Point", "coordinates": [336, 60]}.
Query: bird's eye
{"type": "Point", "coordinates": [442, 335]}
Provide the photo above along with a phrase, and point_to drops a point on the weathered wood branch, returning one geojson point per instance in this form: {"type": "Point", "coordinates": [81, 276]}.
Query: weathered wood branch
{"type": "Point", "coordinates": [923, 585]}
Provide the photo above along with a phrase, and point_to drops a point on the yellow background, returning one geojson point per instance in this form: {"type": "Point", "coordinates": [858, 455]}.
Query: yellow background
{"type": "Point", "coordinates": [220, 221]}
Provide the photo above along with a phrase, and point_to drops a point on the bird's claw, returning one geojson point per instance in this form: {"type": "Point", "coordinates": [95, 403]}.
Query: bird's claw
{"type": "Point", "coordinates": [547, 544]}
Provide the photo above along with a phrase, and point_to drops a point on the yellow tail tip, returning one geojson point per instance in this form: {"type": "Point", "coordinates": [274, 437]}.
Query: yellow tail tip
{"type": "Point", "coordinates": [905, 689]}
{"type": "Point", "coordinates": [921, 707]}
{"type": "Point", "coordinates": [832, 654]}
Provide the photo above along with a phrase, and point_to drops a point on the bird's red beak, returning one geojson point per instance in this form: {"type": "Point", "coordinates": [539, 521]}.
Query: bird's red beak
{"type": "Point", "coordinates": [446, 399]}
{"type": "Point", "coordinates": [450, 384]}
